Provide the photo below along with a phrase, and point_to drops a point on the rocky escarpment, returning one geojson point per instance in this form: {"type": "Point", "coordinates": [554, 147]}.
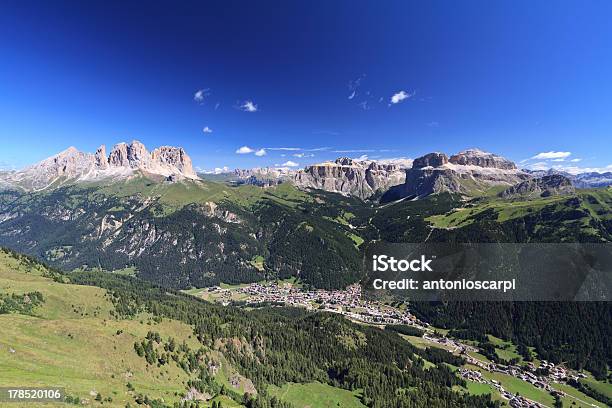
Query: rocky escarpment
{"type": "Point", "coordinates": [546, 186]}
{"type": "Point", "coordinates": [467, 172]}
{"type": "Point", "coordinates": [124, 160]}
{"type": "Point", "coordinates": [476, 157]}
{"type": "Point", "coordinates": [361, 178]}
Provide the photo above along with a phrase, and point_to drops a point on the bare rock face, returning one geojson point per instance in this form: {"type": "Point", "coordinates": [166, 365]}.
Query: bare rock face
{"type": "Point", "coordinates": [546, 186]}
{"type": "Point", "coordinates": [171, 163]}
{"type": "Point", "coordinates": [174, 158]}
{"type": "Point", "coordinates": [119, 156]}
{"type": "Point", "coordinates": [476, 157]}
{"type": "Point", "coordinates": [100, 158]}
{"type": "Point", "coordinates": [469, 172]}
{"type": "Point", "coordinates": [430, 160]}
{"type": "Point", "coordinates": [361, 178]}
{"type": "Point", "coordinates": [138, 156]}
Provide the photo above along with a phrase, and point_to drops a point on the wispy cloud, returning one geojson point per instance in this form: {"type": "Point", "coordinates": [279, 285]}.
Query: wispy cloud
{"type": "Point", "coordinates": [356, 83]}
{"type": "Point", "coordinates": [297, 149]}
{"type": "Point", "coordinates": [400, 96]}
{"type": "Point", "coordinates": [352, 95]}
{"type": "Point", "coordinates": [248, 106]}
{"type": "Point", "coordinates": [325, 132]}
{"type": "Point", "coordinates": [207, 129]}
{"type": "Point", "coordinates": [260, 152]}
{"type": "Point", "coordinates": [201, 94]}
{"type": "Point", "coordinates": [364, 105]}
{"type": "Point", "coordinates": [302, 155]}
{"type": "Point", "coordinates": [551, 155]}
{"type": "Point", "coordinates": [578, 170]}
{"type": "Point", "coordinates": [355, 151]}
{"type": "Point", "coordinates": [244, 150]}
{"type": "Point", "coordinates": [575, 160]}
{"type": "Point", "coordinates": [433, 124]}
{"type": "Point", "coordinates": [284, 148]}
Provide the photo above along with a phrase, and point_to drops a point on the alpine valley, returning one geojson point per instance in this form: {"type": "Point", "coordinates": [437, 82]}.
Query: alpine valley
{"type": "Point", "coordinates": [105, 252]}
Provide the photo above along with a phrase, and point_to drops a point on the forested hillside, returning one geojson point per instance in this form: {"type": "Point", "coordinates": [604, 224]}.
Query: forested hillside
{"type": "Point", "coordinates": [152, 345]}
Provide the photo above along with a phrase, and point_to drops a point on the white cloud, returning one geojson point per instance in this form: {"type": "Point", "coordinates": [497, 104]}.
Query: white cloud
{"type": "Point", "coordinates": [244, 150]}
{"type": "Point", "coordinates": [290, 163]}
{"type": "Point", "coordinates": [217, 170]}
{"type": "Point", "coordinates": [354, 151]}
{"type": "Point", "coordinates": [201, 94]}
{"type": "Point", "coordinates": [578, 170]}
{"type": "Point", "coordinates": [207, 129]}
{"type": "Point", "coordinates": [400, 161]}
{"type": "Point", "coordinates": [569, 169]}
{"type": "Point", "coordinates": [551, 155]}
{"type": "Point", "coordinates": [362, 157]}
{"type": "Point", "coordinates": [539, 166]}
{"type": "Point", "coordinates": [558, 160]}
{"type": "Point", "coordinates": [260, 152]}
{"type": "Point", "coordinates": [248, 106]}
{"type": "Point", "coordinates": [302, 155]}
{"type": "Point", "coordinates": [400, 96]}
{"type": "Point", "coordinates": [297, 149]}
{"type": "Point", "coordinates": [575, 160]}
{"type": "Point", "coordinates": [351, 96]}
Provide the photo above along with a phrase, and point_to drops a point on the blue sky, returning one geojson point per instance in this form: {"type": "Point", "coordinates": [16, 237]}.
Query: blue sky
{"type": "Point", "coordinates": [518, 78]}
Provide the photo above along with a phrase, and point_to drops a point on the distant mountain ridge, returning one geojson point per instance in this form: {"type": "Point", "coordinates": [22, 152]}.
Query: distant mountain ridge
{"type": "Point", "coordinates": [471, 171]}
{"type": "Point", "coordinates": [124, 160]}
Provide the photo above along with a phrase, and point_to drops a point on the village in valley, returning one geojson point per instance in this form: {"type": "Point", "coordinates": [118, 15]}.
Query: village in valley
{"type": "Point", "coordinates": [352, 304]}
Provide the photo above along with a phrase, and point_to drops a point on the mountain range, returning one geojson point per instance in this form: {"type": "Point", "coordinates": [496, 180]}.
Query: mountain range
{"type": "Point", "coordinates": [151, 213]}
{"type": "Point", "coordinates": [123, 161]}
{"type": "Point", "coordinates": [471, 171]}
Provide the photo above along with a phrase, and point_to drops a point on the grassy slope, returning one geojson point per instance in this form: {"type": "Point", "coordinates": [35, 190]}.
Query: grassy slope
{"type": "Point", "coordinates": [72, 342]}
{"type": "Point", "coordinates": [597, 203]}
{"type": "Point", "coordinates": [316, 395]}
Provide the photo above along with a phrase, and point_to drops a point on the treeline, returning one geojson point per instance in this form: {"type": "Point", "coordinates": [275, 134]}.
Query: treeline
{"type": "Point", "coordinates": [271, 348]}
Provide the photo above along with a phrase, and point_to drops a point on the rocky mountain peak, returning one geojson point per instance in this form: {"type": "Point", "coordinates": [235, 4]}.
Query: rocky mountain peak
{"type": "Point", "coordinates": [476, 157]}
{"type": "Point", "coordinates": [172, 163]}
{"type": "Point", "coordinates": [119, 155]}
{"type": "Point", "coordinates": [101, 158]}
{"type": "Point", "coordinates": [344, 161]}
{"type": "Point", "coordinates": [174, 157]}
{"type": "Point", "coordinates": [361, 178]}
{"type": "Point", "coordinates": [430, 160]}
